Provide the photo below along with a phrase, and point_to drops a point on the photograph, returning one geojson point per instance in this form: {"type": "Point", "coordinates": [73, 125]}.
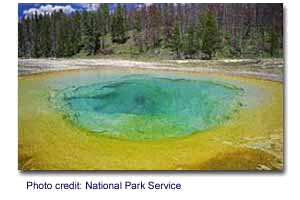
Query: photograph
{"type": "Point", "coordinates": [150, 86]}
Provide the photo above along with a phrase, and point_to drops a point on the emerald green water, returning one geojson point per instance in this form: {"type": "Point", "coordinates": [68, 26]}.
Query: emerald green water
{"type": "Point", "coordinates": [144, 107]}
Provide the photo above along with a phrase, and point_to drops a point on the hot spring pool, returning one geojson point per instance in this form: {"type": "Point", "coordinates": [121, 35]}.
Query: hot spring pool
{"type": "Point", "coordinates": [140, 107]}
{"type": "Point", "coordinates": [145, 119]}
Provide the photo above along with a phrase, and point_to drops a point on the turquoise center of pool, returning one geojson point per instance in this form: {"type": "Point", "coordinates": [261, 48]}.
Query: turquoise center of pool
{"type": "Point", "coordinates": [141, 107]}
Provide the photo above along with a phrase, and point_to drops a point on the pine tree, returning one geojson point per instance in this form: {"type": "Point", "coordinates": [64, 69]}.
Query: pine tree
{"type": "Point", "coordinates": [106, 18]}
{"type": "Point", "coordinates": [138, 34]}
{"type": "Point", "coordinates": [190, 45]}
{"type": "Point", "coordinates": [209, 34]}
{"type": "Point", "coordinates": [28, 37]}
{"type": "Point", "coordinates": [54, 34]}
{"type": "Point", "coordinates": [45, 36]}
{"type": "Point", "coordinates": [67, 36]}
{"type": "Point", "coordinates": [60, 34]}
{"type": "Point", "coordinates": [76, 32]}
{"type": "Point", "coordinates": [104, 23]}
{"type": "Point", "coordinates": [118, 28]}
{"type": "Point", "coordinates": [175, 42]}
{"type": "Point", "coordinates": [89, 36]}
{"type": "Point", "coordinates": [36, 26]}
{"type": "Point", "coordinates": [168, 22]}
{"type": "Point", "coordinates": [21, 38]}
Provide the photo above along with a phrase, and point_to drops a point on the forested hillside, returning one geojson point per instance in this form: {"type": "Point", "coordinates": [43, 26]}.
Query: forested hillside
{"type": "Point", "coordinates": [181, 31]}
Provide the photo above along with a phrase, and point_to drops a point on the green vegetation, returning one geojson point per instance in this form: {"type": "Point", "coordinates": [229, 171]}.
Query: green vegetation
{"type": "Point", "coordinates": [118, 26]}
{"type": "Point", "coordinates": [176, 43]}
{"type": "Point", "coordinates": [181, 31]}
{"type": "Point", "coordinates": [209, 34]}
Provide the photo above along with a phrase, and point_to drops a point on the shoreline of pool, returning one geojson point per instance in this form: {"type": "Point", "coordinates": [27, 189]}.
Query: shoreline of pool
{"type": "Point", "coordinates": [37, 66]}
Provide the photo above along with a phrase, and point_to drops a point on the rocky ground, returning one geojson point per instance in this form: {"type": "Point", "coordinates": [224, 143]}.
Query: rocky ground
{"type": "Point", "coordinates": [271, 69]}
